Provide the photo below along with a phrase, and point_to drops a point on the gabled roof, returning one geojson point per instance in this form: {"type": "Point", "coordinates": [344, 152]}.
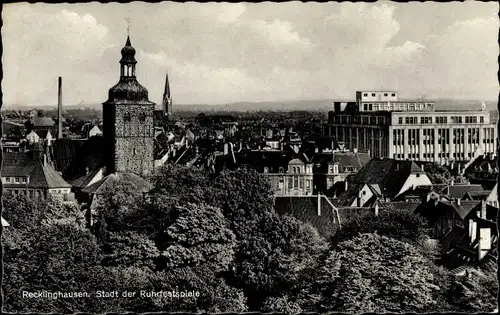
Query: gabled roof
{"type": "Point", "coordinates": [41, 175]}
{"type": "Point", "coordinates": [257, 159]}
{"type": "Point", "coordinates": [88, 155]}
{"type": "Point", "coordinates": [4, 222]}
{"type": "Point", "coordinates": [388, 173]}
{"type": "Point", "coordinates": [83, 181]}
{"type": "Point", "coordinates": [434, 209]}
{"type": "Point", "coordinates": [478, 194]}
{"type": "Point", "coordinates": [108, 182]}
{"type": "Point", "coordinates": [305, 209]}
{"type": "Point", "coordinates": [459, 191]}
{"type": "Point", "coordinates": [42, 121]}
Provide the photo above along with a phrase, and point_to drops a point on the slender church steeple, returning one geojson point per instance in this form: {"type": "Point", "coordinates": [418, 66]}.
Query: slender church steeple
{"type": "Point", "coordinates": [167, 99]}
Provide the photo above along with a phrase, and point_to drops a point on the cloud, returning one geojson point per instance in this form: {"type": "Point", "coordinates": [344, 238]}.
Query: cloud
{"type": "Point", "coordinates": [279, 33]}
{"type": "Point", "coordinates": [218, 52]}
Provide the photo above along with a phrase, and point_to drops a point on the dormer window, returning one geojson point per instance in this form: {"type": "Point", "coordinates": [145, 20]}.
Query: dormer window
{"type": "Point", "coordinates": [281, 170]}
{"type": "Point", "coordinates": [126, 117]}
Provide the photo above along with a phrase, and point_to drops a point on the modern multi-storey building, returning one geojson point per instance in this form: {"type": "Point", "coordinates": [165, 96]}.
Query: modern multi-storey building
{"type": "Point", "coordinates": [378, 121]}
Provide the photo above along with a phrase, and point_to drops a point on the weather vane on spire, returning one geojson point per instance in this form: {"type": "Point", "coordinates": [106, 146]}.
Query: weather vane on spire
{"type": "Point", "coordinates": [128, 25]}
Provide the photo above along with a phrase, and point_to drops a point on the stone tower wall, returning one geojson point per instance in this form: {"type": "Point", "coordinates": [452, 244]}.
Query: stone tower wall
{"type": "Point", "coordinates": [134, 144]}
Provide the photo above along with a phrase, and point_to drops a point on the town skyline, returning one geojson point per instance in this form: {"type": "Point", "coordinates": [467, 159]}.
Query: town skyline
{"type": "Point", "coordinates": [354, 46]}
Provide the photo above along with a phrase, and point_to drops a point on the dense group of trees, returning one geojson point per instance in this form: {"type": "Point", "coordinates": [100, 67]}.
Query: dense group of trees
{"type": "Point", "coordinates": [218, 235]}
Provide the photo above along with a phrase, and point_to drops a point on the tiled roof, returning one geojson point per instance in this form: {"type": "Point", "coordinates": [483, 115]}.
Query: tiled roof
{"type": "Point", "coordinates": [108, 182]}
{"type": "Point", "coordinates": [481, 163]}
{"type": "Point", "coordinates": [305, 209]}
{"type": "Point", "coordinates": [388, 173]}
{"type": "Point", "coordinates": [64, 151]}
{"type": "Point", "coordinates": [410, 206]}
{"type": "Point", "coordinates": [83, 181]}
{"type": "Point", "coordinates": [458, 191]}
{"type": "Point", "coordinates": [10, 128]}
{"type": "Point", "coordinates": [43, 121]}
{"type": "Point", "coordinates": [430, 209]}
{"type": "Point", "coordinates": [89, 156]}
{"type": "Point", "coordinates": [257, 159]}
{"type": "Point", "coordinates": [40, 175]}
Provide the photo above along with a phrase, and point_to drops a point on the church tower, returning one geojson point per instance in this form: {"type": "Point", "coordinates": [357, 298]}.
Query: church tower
{"type": "Point", "coordinates": [128, 122]}
{"type": "Point", "coordinates": [167, 100]}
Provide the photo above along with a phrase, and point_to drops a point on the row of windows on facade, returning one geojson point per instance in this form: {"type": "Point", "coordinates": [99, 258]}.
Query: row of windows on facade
{"type": "Point", "coordinates": [441, 120]}
{"type": "Point", "coordinates": [17, 180]}
{"type": "Point", "coordinates": [455, 155]}
{"type": "Point", "coordinates": [443, 135]}
{"type": "Point", "coordinates": [458, 140]}
{"type": "Point", "coordinates": [396, 106]}
{"type": "Point", "coordinates": [358, 120]}
{"type": "Point", "coordinates": [385, 94]}
{"type": "Point", "coordinates": [293, 169]}
{"type": "Point", "coordinates": [29, 193]}
{"type": "Point", "coordinates": [428, 155]}
{"type": "Point", "coordinates": [333, 169]}
{"type": "Point", "coordinates": [294, 182]}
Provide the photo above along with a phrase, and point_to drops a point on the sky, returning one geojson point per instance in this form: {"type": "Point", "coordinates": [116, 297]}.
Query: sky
{"type": "Point", "coordinates": [217, 53]}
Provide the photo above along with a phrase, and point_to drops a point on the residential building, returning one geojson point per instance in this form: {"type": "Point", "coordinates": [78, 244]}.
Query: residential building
{"type": "Point", "coordinates": [30, 174]}
{"type": "Point", "coordinates": [320, 212]}
{"type": "Point", "coordinates": [391, 128]}
{"type": "Point", "coordinates": [482, 169]}
{"type": "Point", "coordinates": [333, 167]}
{"type": "Point", "coordinates": [466, 230]}
{"type": "Point", "coordinates": [382, 179]}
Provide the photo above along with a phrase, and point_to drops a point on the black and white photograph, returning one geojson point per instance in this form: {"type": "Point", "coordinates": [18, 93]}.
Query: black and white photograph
{"type": "Point", "coordinates": [273, 157]}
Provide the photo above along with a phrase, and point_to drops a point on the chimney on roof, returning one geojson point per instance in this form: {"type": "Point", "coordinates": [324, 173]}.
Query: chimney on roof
{"type": "Point", "coordinates": [422, 167]}
{"type": "Point", "coordinates": [346, 185]}
{"type": "Point", "coordinates": [59, 109]}
{"type": "Point", "coordinates": [458, 202]}
{"type": "Point", "coordinates": [376, 208]}
{"type": "Point", "coordinates": [483, 209]}
{"type": "Point", "coordinates": [319, 204]}
{"type": "Point", "coordinates": [452, 182]}
{"type": "Point", "coordinates": [355, 150]}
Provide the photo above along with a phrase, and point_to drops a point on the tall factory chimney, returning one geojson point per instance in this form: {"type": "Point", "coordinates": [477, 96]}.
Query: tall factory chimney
{"type": "Point", "coordinates": [59, 109]}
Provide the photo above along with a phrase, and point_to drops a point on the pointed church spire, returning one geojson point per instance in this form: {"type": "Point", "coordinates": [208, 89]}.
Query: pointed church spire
{"type": "Point", "coordinates": [167, 98]}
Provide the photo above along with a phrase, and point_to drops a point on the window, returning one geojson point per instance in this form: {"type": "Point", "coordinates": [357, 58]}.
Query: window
{"type": "Point", "coordinates": [481, 119]}
{"type": "Point", "coordinates": [370, 106]}
{"type": "Point", "coordinates": [418, 175]}
{"type": "Point", "coordinates": [7, 179]}
{"type": "Point", "coordinates": [393, 94]}
{"type": "Point", "coordinates": [308, 184]}
{"type": "Point", "coordinates": [366, 94]}
{"type": "Point", "coordinates": [142, 117]}
{"type": "Point", "coordinates": [426, 120]}
{"type": "Point", "coordinates": [281, 169]}
{"type": "Point", "coordinates": [365, 106]}
{"type": "Point", "coordinates": [17, 179]}
{"type": "Point", "coordinates": [364, 193]}
{"type": "Point", "coordinates": [400, 120]}
{"type": "Point", "coordinates": [373, 94]}
{"type": "Point", "coordinates": [126, 117]}
{"type": "Point", "coordinates": [385, 94]}
{"type": "Point", "coordinates": [441, 120]}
